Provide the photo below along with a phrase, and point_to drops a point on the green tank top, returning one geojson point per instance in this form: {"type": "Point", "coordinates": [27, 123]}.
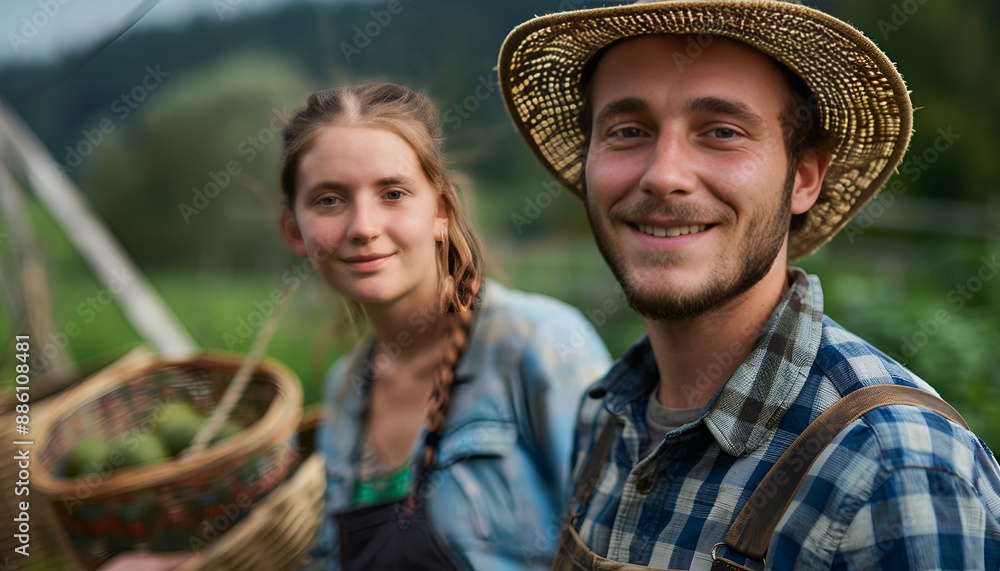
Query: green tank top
{"type": "Point", "coordinates": [380, 482]}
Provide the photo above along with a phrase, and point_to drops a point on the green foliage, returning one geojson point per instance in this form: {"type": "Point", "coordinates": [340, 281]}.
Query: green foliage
{"type": "Point", "coordinates": [946, 53]}
{"type": "Point", "coordinates": [916, 314]}
{"type": "Point", "coordinates": [190, 183]}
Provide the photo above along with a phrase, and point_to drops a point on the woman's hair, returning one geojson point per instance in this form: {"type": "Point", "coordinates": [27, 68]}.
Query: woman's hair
{"type": "Point", "coordinates": [414, 118]}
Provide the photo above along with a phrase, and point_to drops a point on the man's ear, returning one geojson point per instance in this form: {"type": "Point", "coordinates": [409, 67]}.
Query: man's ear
{"type": "Point", "coordinates": [809, 180]}
{"type": "Point", "coordinates": [291, 233]}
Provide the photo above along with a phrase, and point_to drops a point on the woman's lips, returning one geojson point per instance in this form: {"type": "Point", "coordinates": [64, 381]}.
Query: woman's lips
{"type": "Point", "coordinates": [366, 263]}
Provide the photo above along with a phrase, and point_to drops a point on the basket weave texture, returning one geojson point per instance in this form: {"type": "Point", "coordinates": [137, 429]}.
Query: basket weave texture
{"type": "Point", "coordinates": [278, 532]}
{"type": "Point", "coordinates": [166, 506]}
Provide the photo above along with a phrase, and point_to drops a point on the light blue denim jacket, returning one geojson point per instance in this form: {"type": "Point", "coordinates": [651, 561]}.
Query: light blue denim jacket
{"type": "Point", "coordinates": [501, 485]}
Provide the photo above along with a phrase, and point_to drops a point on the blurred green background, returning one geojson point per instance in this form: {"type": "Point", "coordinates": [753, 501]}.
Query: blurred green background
{"type": "Point", "coordinates": [901, 276]}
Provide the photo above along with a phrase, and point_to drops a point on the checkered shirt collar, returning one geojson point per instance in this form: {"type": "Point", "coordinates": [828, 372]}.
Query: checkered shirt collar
{"type": "Point", "coordinates": [744, 413]}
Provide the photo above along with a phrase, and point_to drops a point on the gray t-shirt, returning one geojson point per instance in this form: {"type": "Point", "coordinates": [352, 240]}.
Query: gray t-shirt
{"type": "Point", "coordinates": [661, 420]}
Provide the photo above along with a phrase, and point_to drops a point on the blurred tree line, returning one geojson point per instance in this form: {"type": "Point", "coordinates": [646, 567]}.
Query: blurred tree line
{"type": "Point", "coordinates": [224, 81]}
{"type": "Point", "coordinates": [173, 136]}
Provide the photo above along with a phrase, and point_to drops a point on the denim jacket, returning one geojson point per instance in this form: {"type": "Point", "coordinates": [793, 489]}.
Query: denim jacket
{"type": "Point", "coordinates": [498, 491]}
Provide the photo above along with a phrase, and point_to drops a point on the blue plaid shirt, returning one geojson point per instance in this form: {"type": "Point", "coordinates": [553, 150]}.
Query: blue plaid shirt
{"type": "Point", "coordinates": [899, 488]}
{"type": "Point", "coordinates": [501, 484]}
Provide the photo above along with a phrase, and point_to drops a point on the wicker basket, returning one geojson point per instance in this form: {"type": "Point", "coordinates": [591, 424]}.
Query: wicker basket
{"type": "Point", "coordinates": [175, 505]}
{"type": "Point", "coordinates": [49, 547]}
{"type": "Point", "coordinates": [278, 532]}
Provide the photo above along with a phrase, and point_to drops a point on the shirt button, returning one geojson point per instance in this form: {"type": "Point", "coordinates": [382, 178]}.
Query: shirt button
{"type": "Point", "coordinates": [645, 485]}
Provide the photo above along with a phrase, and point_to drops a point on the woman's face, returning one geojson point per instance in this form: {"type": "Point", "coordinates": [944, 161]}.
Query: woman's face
{"type": "Point", "coordinates": [368, 218]}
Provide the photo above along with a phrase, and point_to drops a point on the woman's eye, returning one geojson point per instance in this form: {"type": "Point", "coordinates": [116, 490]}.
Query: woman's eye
{"type": "Point", "coordinates": [328, 201]}
{"type": "Point", "coordinates": [394, 194]}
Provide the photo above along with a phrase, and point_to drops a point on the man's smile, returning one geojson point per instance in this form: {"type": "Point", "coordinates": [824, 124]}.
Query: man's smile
{"type": "Point", "coordinates": [670, 232]}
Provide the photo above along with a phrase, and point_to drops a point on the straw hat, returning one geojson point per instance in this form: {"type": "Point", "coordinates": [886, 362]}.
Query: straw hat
{"type": "Point", "coordinates": [861, 97]}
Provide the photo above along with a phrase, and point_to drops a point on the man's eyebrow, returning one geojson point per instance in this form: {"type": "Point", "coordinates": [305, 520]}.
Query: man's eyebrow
{"type": "Point", "coordinates": [725, 107]}
{"type": "Point", "coordinates": [623, 105]}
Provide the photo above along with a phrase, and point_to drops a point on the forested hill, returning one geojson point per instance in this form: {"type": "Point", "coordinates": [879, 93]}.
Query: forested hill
{"type": "Point", "coordinates": [443, 46]}
{"type": "Point", "coordinates": [149, 123]}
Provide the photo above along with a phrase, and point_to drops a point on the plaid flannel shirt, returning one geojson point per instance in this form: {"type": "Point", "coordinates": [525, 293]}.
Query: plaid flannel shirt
{"type": "Point", "coordinates": [899, 488]}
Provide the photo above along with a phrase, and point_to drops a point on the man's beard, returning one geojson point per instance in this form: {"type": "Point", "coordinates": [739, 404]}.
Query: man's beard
{"type": "Point", "coordinates": [763, 240]}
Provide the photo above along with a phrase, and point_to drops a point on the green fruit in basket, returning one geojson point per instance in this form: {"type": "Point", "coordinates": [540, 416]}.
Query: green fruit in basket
{"type": "Point", "coordinates": [226, 431]}
{"type": "Point", "coordinates": [179, 425]}
{"type": "Point", "coordinates": [87, 456]}
{"type": "Point", "coordinates": [144, 451]}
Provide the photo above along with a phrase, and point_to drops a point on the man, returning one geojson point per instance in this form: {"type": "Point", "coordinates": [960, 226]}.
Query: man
{"type": "Point", "coordinates": [713, 141]}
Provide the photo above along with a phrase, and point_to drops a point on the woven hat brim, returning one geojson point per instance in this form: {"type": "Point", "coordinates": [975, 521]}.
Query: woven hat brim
{"type": "Point", "coordinates": [861, 98]}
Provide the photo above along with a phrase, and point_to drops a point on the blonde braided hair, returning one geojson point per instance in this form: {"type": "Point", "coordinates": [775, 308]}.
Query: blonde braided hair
{"type": "Point", "coordinates": [455, 339]}
{"type": "Point", "coordinates": [414, 118]}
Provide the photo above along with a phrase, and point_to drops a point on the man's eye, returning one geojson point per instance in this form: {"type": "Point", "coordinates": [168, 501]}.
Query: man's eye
{"type": "Point", "coordinates": [394, 194]}
{"type": "Point", "coordinates": [724, 133]}
{"type": "Point", "coordinates": [329, 201]}
{"type": "Point", "coordinates": [627, 132]}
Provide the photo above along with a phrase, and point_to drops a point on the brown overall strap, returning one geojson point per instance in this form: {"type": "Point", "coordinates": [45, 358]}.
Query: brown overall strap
{"type": "Point", "coordinates": [592, 470]}
{"type": "Point", "coordinates": [751, 532]}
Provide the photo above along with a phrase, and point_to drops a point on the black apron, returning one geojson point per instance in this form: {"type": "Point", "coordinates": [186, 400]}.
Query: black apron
{"type": "Point", "coordinates": [381, 536]}
{"type": "Point", "coordinates": [396, 535]}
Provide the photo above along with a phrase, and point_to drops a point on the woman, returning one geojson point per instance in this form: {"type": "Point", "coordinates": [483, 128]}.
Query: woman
{"type": "Point", "coordinates": [448, 432]}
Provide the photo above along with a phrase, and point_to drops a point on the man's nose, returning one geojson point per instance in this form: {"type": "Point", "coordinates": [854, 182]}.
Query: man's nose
{"type": "Point", "coordinates": [670, 168]}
